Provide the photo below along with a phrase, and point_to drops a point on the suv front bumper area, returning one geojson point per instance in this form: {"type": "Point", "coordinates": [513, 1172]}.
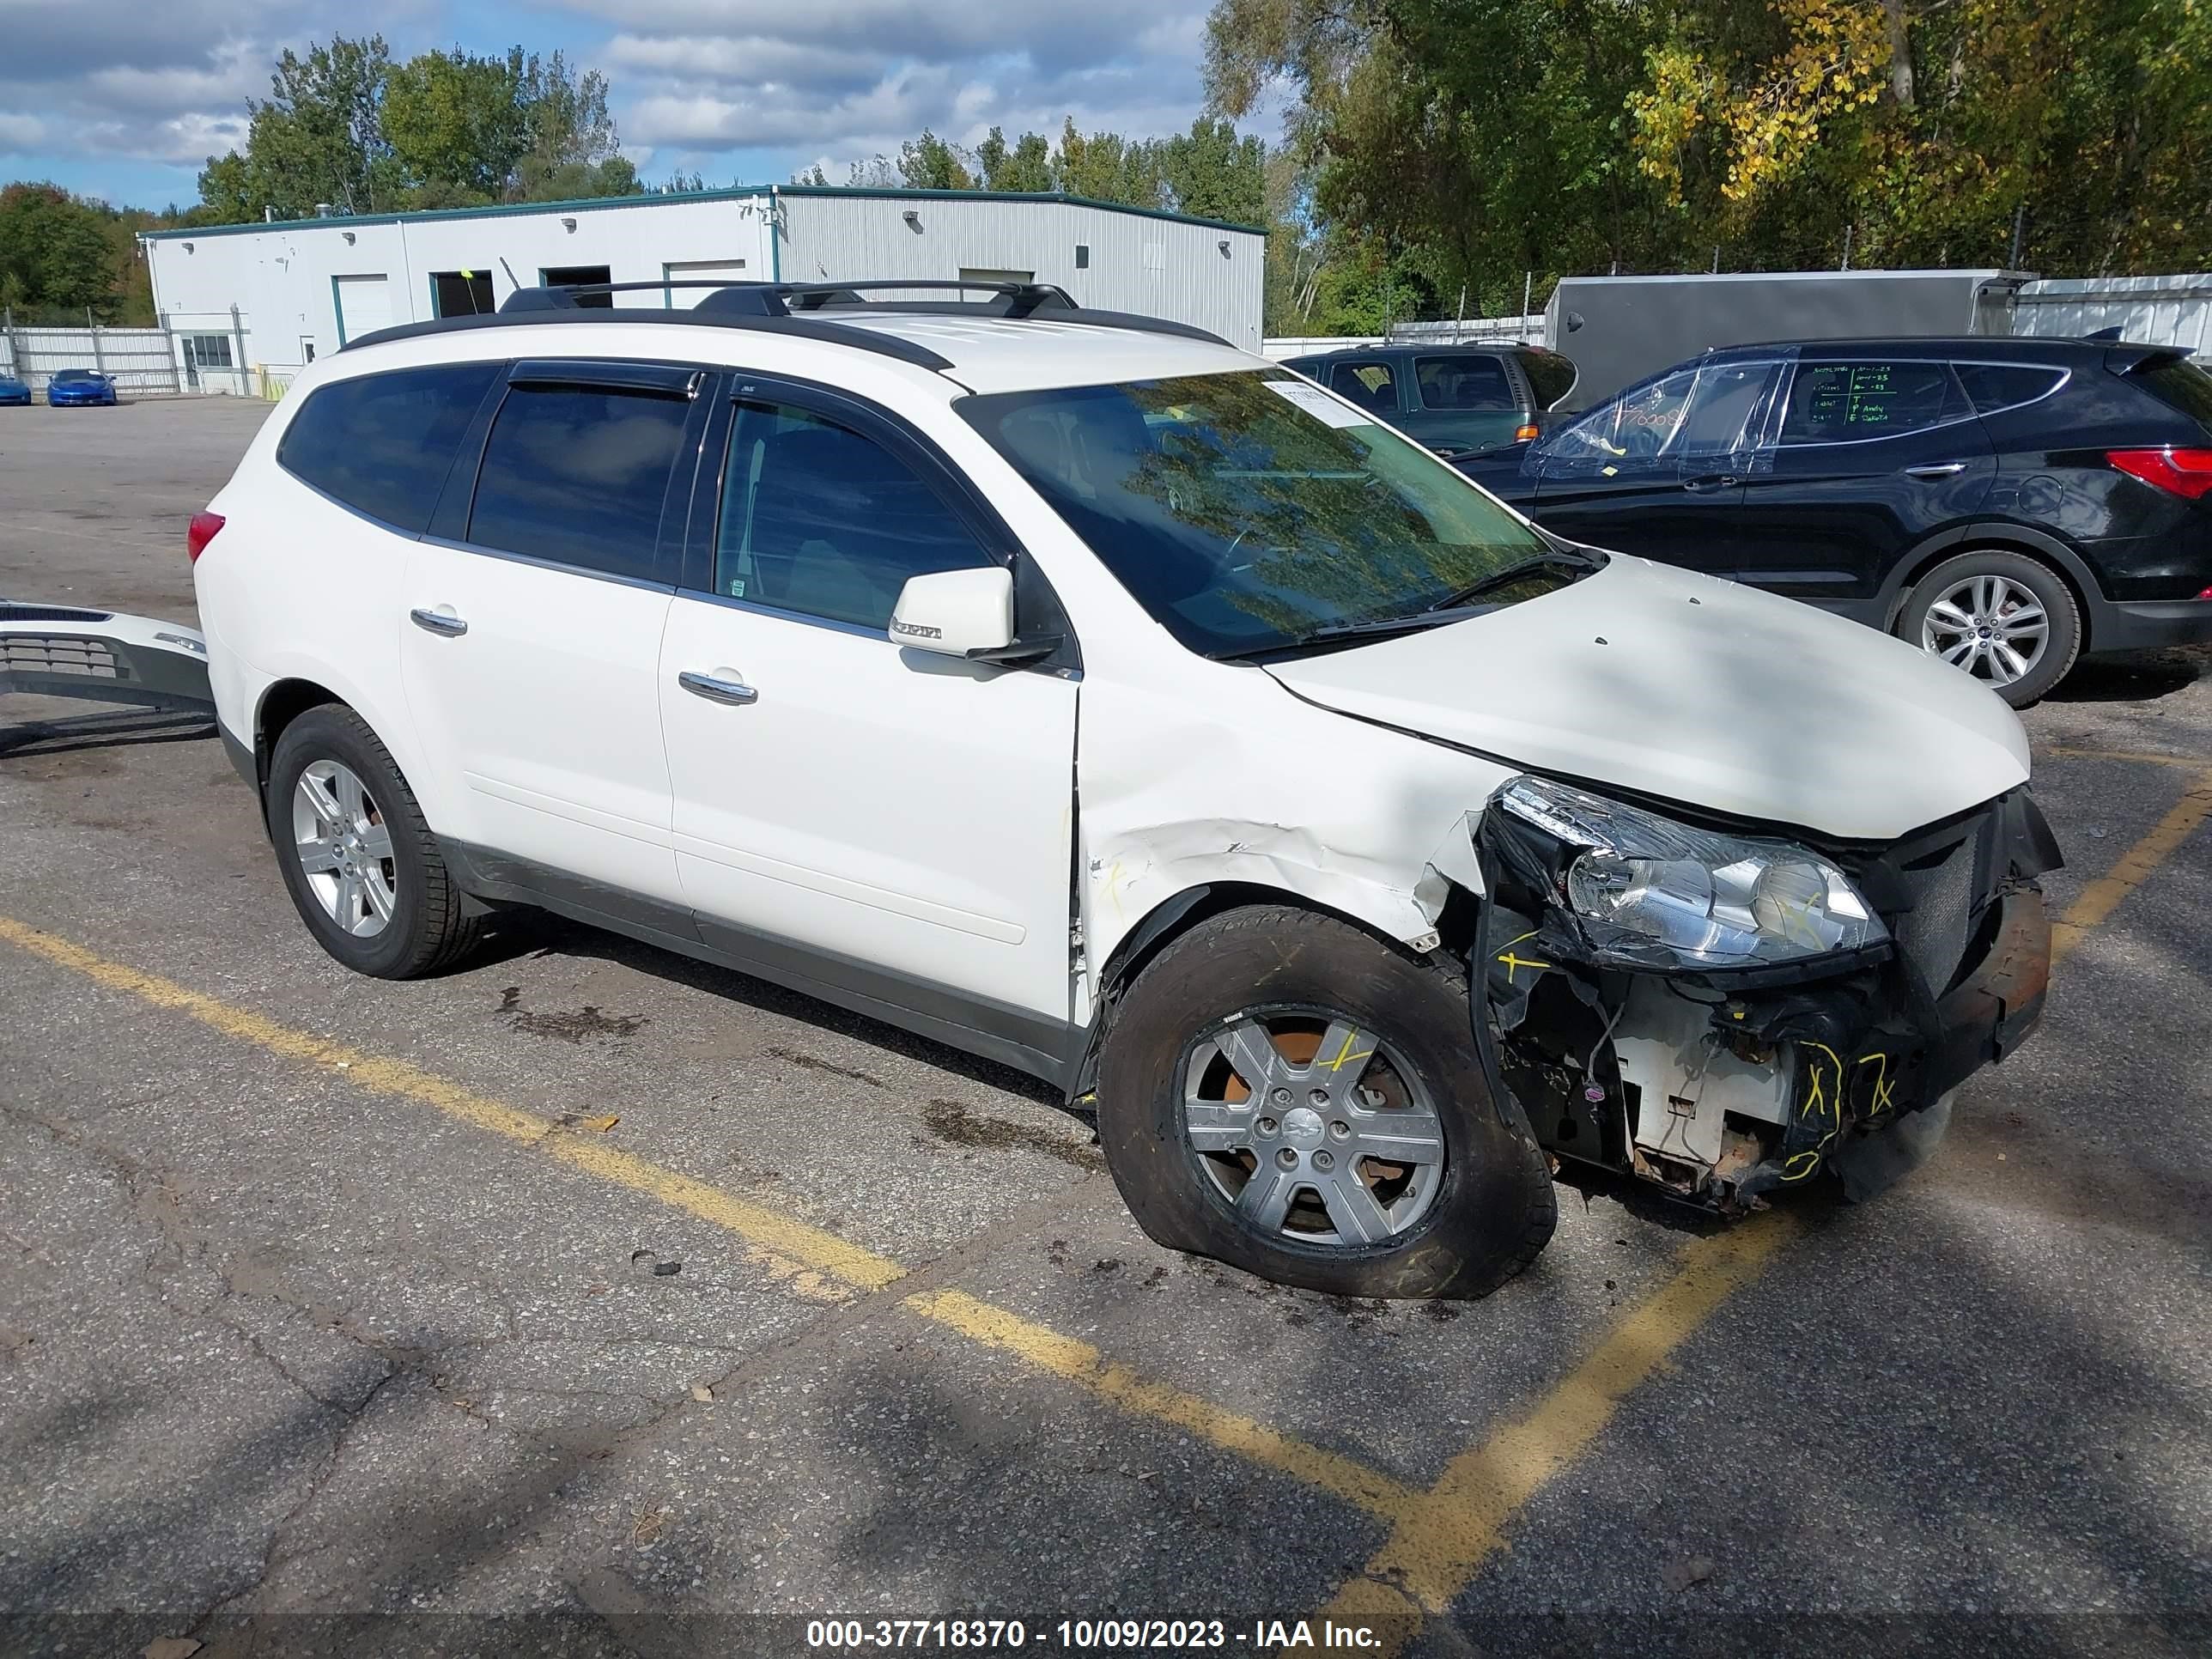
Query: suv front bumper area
{"type": "Point", "coordinates": [1724, 1087]}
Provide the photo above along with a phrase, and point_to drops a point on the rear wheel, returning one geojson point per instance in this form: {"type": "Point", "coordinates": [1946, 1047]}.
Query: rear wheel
{"type": "Point", "coordinates": [2008, 620]}
{"type": "Point", "coordinates": [360, 864]}
{"type": "Point", "coordinates": [1285, 1093]}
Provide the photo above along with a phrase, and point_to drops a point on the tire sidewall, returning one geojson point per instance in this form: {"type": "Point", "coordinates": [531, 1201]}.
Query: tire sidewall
{"type": "Point", "coordinates": [330, 732]}
{"type": "Point", "coordinates": [2060, 651]}
{"type": "Point", "coordinates": [1216, 974]}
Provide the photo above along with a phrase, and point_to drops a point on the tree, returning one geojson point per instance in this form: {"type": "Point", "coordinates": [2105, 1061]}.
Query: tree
{"type": "Point", "coordinates": [56, 254]}
{"type": "Point", "coordinates": [1212, 173]}
{"type": "Point", "coordinates": [1027, 166]}
{"type": "Point", "coordinates": [317, 138]}
{"type": "Point", "coordinates": [929, 163]}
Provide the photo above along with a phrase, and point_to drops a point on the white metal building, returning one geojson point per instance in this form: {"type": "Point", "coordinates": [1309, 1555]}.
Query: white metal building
{"type": "Point", "coordinates": [245, 299]}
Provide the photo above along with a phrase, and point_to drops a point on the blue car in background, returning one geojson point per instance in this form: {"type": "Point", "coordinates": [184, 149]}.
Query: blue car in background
{"type": "Point", "coordinates": [79, 385]}
{"type": "Point", "coordinates": [13, 391]}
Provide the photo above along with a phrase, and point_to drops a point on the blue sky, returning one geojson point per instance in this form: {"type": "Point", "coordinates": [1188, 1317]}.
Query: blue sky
{"type": "Point", "coordinates": [126, 98]}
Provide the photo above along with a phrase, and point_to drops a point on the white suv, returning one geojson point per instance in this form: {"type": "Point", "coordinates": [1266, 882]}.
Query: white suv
{"type": "Point", "coordinates": [1086, 694]}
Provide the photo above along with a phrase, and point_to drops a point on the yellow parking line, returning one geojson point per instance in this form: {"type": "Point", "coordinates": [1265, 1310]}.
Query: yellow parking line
{"type": "Point", "coordinates": [2139, 757]}
{"type": "Point", "coordinates": [1079, 1362]}
{"type": "Point", "coordinates": [806, 1258]}
{"type": "Point", "coordinates": [1436, 1546]}
{"type": "Point", "coordinates": [2103, 896]}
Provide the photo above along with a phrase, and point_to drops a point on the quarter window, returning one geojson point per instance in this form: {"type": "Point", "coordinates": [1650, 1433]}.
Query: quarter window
{"type": "Point", "coordinates": [821, 520]}
{"type": "Point", "coordinates": [1845, 402]}
{"type": "Point", "coordinates": [1551, 376]}
{"type": "Point", "coordinates": [1993, 386]}
{"type": "Point", "coordinates": [1463, 383]}
{"type": "Point", "coordinates": [1371, 385]}
{"type": "Point", "coordinates": [577, 475]}
{"type": "Point", "coordinates": [383, 443]}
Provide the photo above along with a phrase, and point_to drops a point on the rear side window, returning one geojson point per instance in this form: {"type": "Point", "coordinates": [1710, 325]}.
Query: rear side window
{"type": "Point", "coordinates": [2178, 384]}
{"type": "Point", "coordinates": [1463, 383]}
{"type": "Point", "coordinates": [1993, 386]}
{"type": "Point", "coordinates": [820, 520]}
{"type": "Point", "coordinates": [1847, 402]}
{"type": "Point", "coordinates": [1371, 385]}
{"type": "Point", "coordinates": [1551, 376]}
{"type": "Point", "coordinates": [577, 475]}
{"type": "Point", "coordinates": [384, 443]}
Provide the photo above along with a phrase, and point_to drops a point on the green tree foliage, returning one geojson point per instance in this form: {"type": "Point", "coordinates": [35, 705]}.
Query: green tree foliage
{"type": "Point", "coordinates": [929, 163]}
{"type": "Point", "coordinates": [347, 126]}
{"type": "Point", "coordinates": [1450, 146]}
{"type": "Point", "coordinates": [62, 255]}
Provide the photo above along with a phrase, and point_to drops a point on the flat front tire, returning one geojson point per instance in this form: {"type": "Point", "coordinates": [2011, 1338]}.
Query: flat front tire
{"type": "Point", "coordinates": [360, 862]}
{"type": "Point", "coordinates": [1282, 1092]}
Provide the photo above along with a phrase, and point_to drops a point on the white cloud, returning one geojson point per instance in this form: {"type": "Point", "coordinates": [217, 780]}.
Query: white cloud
{"type": "Point", "coordinates": [20, 133]}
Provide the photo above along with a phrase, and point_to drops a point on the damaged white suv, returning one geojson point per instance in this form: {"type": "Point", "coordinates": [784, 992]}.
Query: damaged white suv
{"type": "Point", "coordinates": [1087, 695]}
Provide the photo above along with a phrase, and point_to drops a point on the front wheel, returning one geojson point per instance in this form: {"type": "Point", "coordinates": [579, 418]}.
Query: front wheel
{"type": "Point", "coordinates": [2008, 620]}
{"type": "Point", "coordinates": [1283, 1092]}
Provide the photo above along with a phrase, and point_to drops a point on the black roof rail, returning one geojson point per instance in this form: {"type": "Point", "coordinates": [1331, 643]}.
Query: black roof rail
{"type": "Point", "coordinates": [796, 308]}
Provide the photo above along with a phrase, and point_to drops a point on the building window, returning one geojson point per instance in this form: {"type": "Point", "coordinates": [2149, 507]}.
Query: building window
{"type": "Point", "coordinates": [209, 350]}
{"type": "Point", "coordinates": [460, 293]}
{"type": "Point", "coordinates": [565, 276]}
{"type": "Point", "coordinates": [1083, 255]}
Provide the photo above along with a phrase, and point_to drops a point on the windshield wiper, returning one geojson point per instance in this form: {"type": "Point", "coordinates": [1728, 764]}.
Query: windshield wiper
{"type": "Point", "coordinates": [1558, 558]}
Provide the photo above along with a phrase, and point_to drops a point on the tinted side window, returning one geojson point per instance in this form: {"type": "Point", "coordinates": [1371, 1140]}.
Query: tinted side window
{"type": "Point", "coordinates": [577, 475]}
{"type": "Point", "coordinates": [1463, 383]}
{"type": "Point", "coordinates": [1993, 386]}
{"type": "Point", "coordinates": [1551, 376]}
{"type": "Point", "coordinates": [1371, 385]}
{"type": "Point", "coordinates": [383, 444]}
{"type": "Point", "coordinates": [817, 519]}
{"type": "Point", "coordinates": [1838, 402]}
{"type": "Point", "coordinates": [1727, 396]}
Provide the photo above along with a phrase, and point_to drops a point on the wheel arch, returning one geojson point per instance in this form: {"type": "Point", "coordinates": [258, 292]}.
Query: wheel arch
{"type": "Point", "coordinates": [1177, 915]}
{"type": "Point", "coordinates": [2002, 536]}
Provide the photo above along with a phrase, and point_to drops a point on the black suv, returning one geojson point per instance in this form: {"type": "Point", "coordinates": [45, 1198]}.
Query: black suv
{"type": "Point", "coordinates": [2006, 503]}
{"type": "Point", "coordinates": [1460, 400]}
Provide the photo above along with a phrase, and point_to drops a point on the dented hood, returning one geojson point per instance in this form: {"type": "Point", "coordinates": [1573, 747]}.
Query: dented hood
{"type": "Point", "coordinates": [1695, 690]}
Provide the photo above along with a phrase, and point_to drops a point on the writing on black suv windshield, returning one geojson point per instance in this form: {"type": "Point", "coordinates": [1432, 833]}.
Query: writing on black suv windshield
{"type": "Point", "coordinates": [1250, 512]}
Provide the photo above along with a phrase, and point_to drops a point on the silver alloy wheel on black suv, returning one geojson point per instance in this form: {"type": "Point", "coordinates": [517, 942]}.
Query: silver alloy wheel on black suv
{"type": "Point", "coordinates": [2007, 619]}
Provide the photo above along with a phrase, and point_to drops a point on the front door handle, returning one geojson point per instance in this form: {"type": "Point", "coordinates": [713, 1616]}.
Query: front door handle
{"type": "Point", "coordinates": [1936, 470]}
{"type": "Point", "coordinates": [440, 621]}
{"type": "Point", "coordinates": [1711, 481]}
{"type": "Point", "coordinates": [723, 685]}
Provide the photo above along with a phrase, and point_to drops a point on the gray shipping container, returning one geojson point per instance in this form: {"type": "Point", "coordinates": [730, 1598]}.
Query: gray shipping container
{"type": "Point", "coordinates": [1619, 329]}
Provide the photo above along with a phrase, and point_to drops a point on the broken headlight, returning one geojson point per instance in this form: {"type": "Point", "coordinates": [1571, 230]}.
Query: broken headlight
{"type": "Point", "coordinates": [1646, 889]}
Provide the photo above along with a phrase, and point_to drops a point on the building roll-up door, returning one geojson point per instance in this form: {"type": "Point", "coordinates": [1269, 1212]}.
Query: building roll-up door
{"type": "Point", "coordinates": [364, 305]}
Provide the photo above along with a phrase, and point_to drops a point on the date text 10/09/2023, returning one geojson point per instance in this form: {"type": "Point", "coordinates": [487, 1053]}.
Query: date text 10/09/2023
{"type": "Point", "coordinates": [1087, 1634]}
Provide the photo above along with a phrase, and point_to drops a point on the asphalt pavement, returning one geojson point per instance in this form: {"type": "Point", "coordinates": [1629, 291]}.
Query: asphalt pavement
{"type": "Point", "coordinates": [588, 1300]}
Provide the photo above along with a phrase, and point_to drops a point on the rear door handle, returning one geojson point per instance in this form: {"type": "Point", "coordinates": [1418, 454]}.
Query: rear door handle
{"type": "Point", "coordinates": [1711, 481]}
{"type": "Point", "coordinates": [1935, 470]}
{"type": "Point", "coordinates": [723, 685]}
{"type": "Point", "coordinates": [440, 621]}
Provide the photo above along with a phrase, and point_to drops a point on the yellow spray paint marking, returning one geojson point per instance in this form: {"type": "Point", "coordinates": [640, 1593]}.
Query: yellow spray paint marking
{"type": "Point", "coordinates": [2103, 896]}
{"type": "Point", "coordinates": [804, 1259]}
{"type": "Point", "coordinates": [1437, 1544]}
{"type": "Point", "coordinates": [1344, 1053]}
{"type": "Point", "coordinates": [1080, 1363]}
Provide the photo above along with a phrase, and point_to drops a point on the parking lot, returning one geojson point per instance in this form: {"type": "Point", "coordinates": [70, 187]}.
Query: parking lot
{"type": "Point", "coordinates": [591, 1300]}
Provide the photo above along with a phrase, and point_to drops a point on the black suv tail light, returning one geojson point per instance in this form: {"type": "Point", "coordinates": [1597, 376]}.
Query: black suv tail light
{"type": "Point", "coordinates": [2184, 472]}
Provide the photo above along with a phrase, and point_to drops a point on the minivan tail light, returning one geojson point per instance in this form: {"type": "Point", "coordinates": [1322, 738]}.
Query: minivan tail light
{"type": "Point", "coordinates": [2184, 472]}
{"type": "Point", "coordinates": [1525, 433]}
{"type": "Point", "coordinates": [200, 532]}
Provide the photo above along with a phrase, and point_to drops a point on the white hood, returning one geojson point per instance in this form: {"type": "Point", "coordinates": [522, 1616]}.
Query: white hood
{"type": "Point", "coordinates": [1696, 690]}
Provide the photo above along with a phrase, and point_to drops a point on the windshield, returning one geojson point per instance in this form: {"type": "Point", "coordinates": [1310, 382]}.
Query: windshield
{"type": "Point", "coordinates": [68, 375]}
{"type": "Point", "coordinates": [1250, 511]}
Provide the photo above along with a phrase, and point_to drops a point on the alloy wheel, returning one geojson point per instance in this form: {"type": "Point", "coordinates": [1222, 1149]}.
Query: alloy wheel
{"type": "Point", "coordinates": [1312, 1127]}
{"type": "Point", "coordinates": [1993, 627]}
{"type": "Point", "coordinates": [344, 848]}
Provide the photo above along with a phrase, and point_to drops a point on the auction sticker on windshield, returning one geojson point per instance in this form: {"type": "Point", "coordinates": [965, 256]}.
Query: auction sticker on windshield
{"type": "Point", "coordinates": [1318, 403]}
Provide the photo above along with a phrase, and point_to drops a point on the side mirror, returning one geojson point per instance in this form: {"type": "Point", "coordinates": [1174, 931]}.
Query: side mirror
{"type": "Point", "coordinates": [956, 613]}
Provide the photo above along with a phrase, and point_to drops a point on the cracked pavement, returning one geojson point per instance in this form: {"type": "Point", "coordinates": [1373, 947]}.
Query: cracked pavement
{"type": "Point", "coordinates": [289, 1365]}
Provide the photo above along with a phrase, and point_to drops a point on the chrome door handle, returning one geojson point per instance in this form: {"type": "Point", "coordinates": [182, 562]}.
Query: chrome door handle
{"type": "Point", "coordinates": [1709, 483]}
{"type": "Point", "coordinates": [1935, 470]}
{"type": "Point", "coordinates": [716, 689]}
{"type": "Point", "coordinates": [438, 621]}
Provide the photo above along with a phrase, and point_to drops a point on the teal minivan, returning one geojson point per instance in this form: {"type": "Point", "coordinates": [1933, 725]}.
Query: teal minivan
{"type": "Point", "coordinates": [1460, 400]}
